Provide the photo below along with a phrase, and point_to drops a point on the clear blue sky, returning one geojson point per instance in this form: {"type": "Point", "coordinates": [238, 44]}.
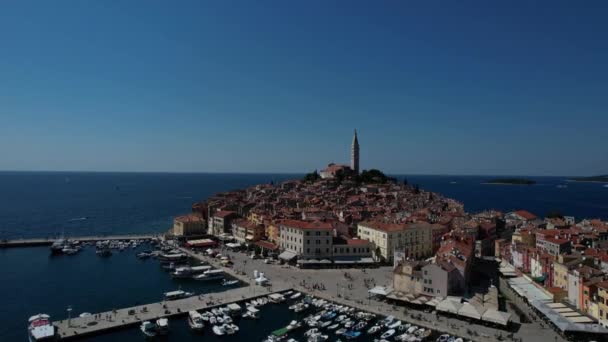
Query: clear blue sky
{"type": "Point", "coordinates": [450, 87]}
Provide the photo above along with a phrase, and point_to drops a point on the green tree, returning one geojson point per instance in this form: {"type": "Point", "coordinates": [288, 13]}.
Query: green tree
{"type": "Point", "coordinates": [312, 176]}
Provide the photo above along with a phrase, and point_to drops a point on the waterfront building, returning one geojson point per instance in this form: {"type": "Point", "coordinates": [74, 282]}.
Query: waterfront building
{"type": "Point", "coordinates": [412, 240]}
{"type": "Point", "coordinates": [306, 239]}
{"type": "Point", "coordinates": [191, 224]}
{"type": "Point", "coordinates": [437, 279]}
{"type": "Point", "coordinates": [246, 231]}
{"type": "Point", "coordinates": [221, 222]}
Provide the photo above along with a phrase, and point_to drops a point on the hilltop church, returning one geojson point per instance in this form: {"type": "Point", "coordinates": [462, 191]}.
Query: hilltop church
{"type": "Point", "coordinates": [334, 169]}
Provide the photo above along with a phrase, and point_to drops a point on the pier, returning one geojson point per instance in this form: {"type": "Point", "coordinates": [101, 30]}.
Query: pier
{"type": "Point", "coordinates": [49, 241]}
{"type": "Point", "coordinates": [117, 319]}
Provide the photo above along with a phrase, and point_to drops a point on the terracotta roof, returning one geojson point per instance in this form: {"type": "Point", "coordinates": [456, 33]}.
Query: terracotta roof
{"type": "Point", "coordinates": [224, 213]}
{"type": "Point", "coordinates": [526, 214]}
{"type": "Point", "coordinates": [189, 218]}
{"type": "Point", "coordinates": [306, 224]}
{"type": "Point", "coordinates": [385, 227]}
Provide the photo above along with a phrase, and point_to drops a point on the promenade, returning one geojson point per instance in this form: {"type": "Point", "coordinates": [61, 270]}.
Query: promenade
{"type": "Point", "coordinates": [117, 319]}
{"type": "Point", "coordinates": [49, 241]}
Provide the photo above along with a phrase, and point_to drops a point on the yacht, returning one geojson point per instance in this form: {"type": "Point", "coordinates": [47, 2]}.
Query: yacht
{"type": "Point", "coordinates": [148, 328]}
{"type": "Point", "coordinates": [173, 295]}
{"type": "Point", "coordinates": [374, 329]}
{"type": "Point", "coordinates": [41, 329]}
{"type": "Point", "coordinates": [210, 275]}
{"type": "Point", "coordinates": [162, 326]}
{"type": "Point", "coordinates": [195, 320]}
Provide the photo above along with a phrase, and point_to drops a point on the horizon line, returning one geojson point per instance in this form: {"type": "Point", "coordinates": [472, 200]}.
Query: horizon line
{"type": "Point", "coordinates": [284, 173]}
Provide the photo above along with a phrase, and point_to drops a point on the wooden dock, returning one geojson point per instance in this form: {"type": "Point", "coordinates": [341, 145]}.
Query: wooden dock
{"type": "Point", "coordinates": [117, 319]}
{"type": "Point", "coordinates": [49, 241]}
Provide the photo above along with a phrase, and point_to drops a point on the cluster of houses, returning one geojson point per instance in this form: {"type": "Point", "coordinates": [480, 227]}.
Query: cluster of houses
{"type": "Point", "coordinates": [560, 268]}
{"type": "Point", "coordinates": [326, 221]}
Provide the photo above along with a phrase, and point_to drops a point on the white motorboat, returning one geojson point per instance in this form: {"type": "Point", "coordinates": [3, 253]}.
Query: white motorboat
{"type": "Point", "coordinates": [195, 320]}
{"type": "Point", "coordinates": [148, 328]}
{"type": "Point", "coordinates": [252, 312]}
{"type": "Point", "coordinates": [212, 320]}
{"type": "Point", "coordinates": [340, 331]}
{"type": "Point", "coordinates": [388, 334]}
{"type": "Point", "coordinates": [276, 298]}
{"type": "Point", "coordinates": [40, 328]}
{"type": "Point", "coordinates": [296, 295]}
{"type": "Point", "coordinates": [294, 325]}
{"type": "Point", "coordinates": [210, 275]}
{"type": "Point", "coordinates": [311, 332]}
{"type": "Point", "coordinates": [317, 338]}
{"type": "Point", "coordinates": [218, 330]}
{"type": "Point", "coordinates": [173, 295]}
{"type": "Point", "coordinates": [395, 325]}
{"type": "Point", "coordinates": [162, 326]}
{"type": "Point", "coordinates": [229, 282]}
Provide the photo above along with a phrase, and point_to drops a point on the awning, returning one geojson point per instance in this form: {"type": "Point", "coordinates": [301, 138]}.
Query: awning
{"type": "Point", "coordinates": [450, 306]}
{"type": "Point", "coordinates": [497, 317]}
{"type": "Point", "coordinates": [471, 311]}
{"type": "Point", "coordinates": [287, 255]}
{"type": "Point", "coordinates": [233, 245]}
{"type": "Point", "coordinates": [249, 237]}
{"type": "Point", "coordinates": [381, 291]}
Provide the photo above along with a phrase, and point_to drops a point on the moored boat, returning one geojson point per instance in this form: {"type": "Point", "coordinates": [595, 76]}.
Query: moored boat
{"type": "Point", "coordinates": [41, 329]}
{"type": "Point", "coordinates": [162, 326]}
{"type": "Point", "coordinates": [148, 328]}
{"type": "Point", "coordinates": [195, 320]}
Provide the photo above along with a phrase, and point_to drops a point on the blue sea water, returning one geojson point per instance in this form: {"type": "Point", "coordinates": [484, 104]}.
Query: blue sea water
{"type": "Point", "coordinates": [41, 204]}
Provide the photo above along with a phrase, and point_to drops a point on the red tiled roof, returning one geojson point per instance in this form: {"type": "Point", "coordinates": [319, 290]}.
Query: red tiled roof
{"type": "Point", "coordinates": [526, 214]}
{"type": "Point", "coordinates": [267, 245]}
{"type": "Point", "coordinates": [385, 227]}
{"type": "Point", "coordinates": [189, 218]}
{"type": "Point", "coordinates": [224, 213]}
{"type": "Point", "coordinates": [306, 225]}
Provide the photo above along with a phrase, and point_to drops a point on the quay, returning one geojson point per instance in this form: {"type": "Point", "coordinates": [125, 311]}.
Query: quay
{"type": "Point", "coordinates": [49, 241]}
{"type": "Point", "coordinates": [117, 319]}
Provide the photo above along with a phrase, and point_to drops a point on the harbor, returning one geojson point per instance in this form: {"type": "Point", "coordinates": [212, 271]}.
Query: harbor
{"type": "Point", "coordinates": [49, 241]}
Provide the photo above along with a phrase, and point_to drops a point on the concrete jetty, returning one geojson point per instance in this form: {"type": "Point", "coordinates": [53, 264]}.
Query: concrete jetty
{"type": "Point", "coordinates": [49, 241]}
{"type": "Point", "coordinates": [112, 320]}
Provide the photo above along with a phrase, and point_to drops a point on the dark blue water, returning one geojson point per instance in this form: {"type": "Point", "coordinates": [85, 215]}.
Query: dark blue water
{"type": "Point", "coordinates": [582, 200]}
{"type": "Point", "coordinates": [46, 204]}
{"type": "Point", "coordinates": [33, 281]}
{"type": "Point", "coordinates": [41, 204]}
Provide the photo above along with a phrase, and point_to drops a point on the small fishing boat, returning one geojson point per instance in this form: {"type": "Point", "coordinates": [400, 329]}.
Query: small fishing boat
{"type": "Point", "coordinates": [229, 282]}
{"type": "Point", "coordinates": [148, 328]}
{"type": "Point", "coordinates": [340, 331]}
{"type": "Point", "coordinates": [333, 327]}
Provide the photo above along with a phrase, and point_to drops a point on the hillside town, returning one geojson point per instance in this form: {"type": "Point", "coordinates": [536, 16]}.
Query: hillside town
{"type": "Point", "coordinates": [553, 270]}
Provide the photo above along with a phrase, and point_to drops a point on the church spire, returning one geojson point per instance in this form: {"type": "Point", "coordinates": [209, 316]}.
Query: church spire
{"type": "Point", "coordinates": [354, 154]}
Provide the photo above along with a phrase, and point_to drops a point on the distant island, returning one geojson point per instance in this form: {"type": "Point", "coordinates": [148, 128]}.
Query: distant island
{"type": "Point", "coordinates": [510, 181]}
{"type": "Point", "coordinates": [595, 179]}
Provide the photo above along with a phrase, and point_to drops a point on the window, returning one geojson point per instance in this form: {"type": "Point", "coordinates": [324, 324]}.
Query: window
{"type": "Point", "coordinates": [307, 233]}
{"type": "Point", "coordinates": [307, 250]}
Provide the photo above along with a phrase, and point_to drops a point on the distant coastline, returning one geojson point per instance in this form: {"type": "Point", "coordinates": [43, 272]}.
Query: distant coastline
{"type": "Point", "coordinates": [592, 179]}
{"type": "Point", "coordinates": [510, 181]}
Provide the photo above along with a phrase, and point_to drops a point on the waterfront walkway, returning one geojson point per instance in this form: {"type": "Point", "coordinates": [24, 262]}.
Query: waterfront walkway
{"type": "Point", "coordinates": [49, 241]}
{"type": "Point", "coordinates": [116, 319]}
